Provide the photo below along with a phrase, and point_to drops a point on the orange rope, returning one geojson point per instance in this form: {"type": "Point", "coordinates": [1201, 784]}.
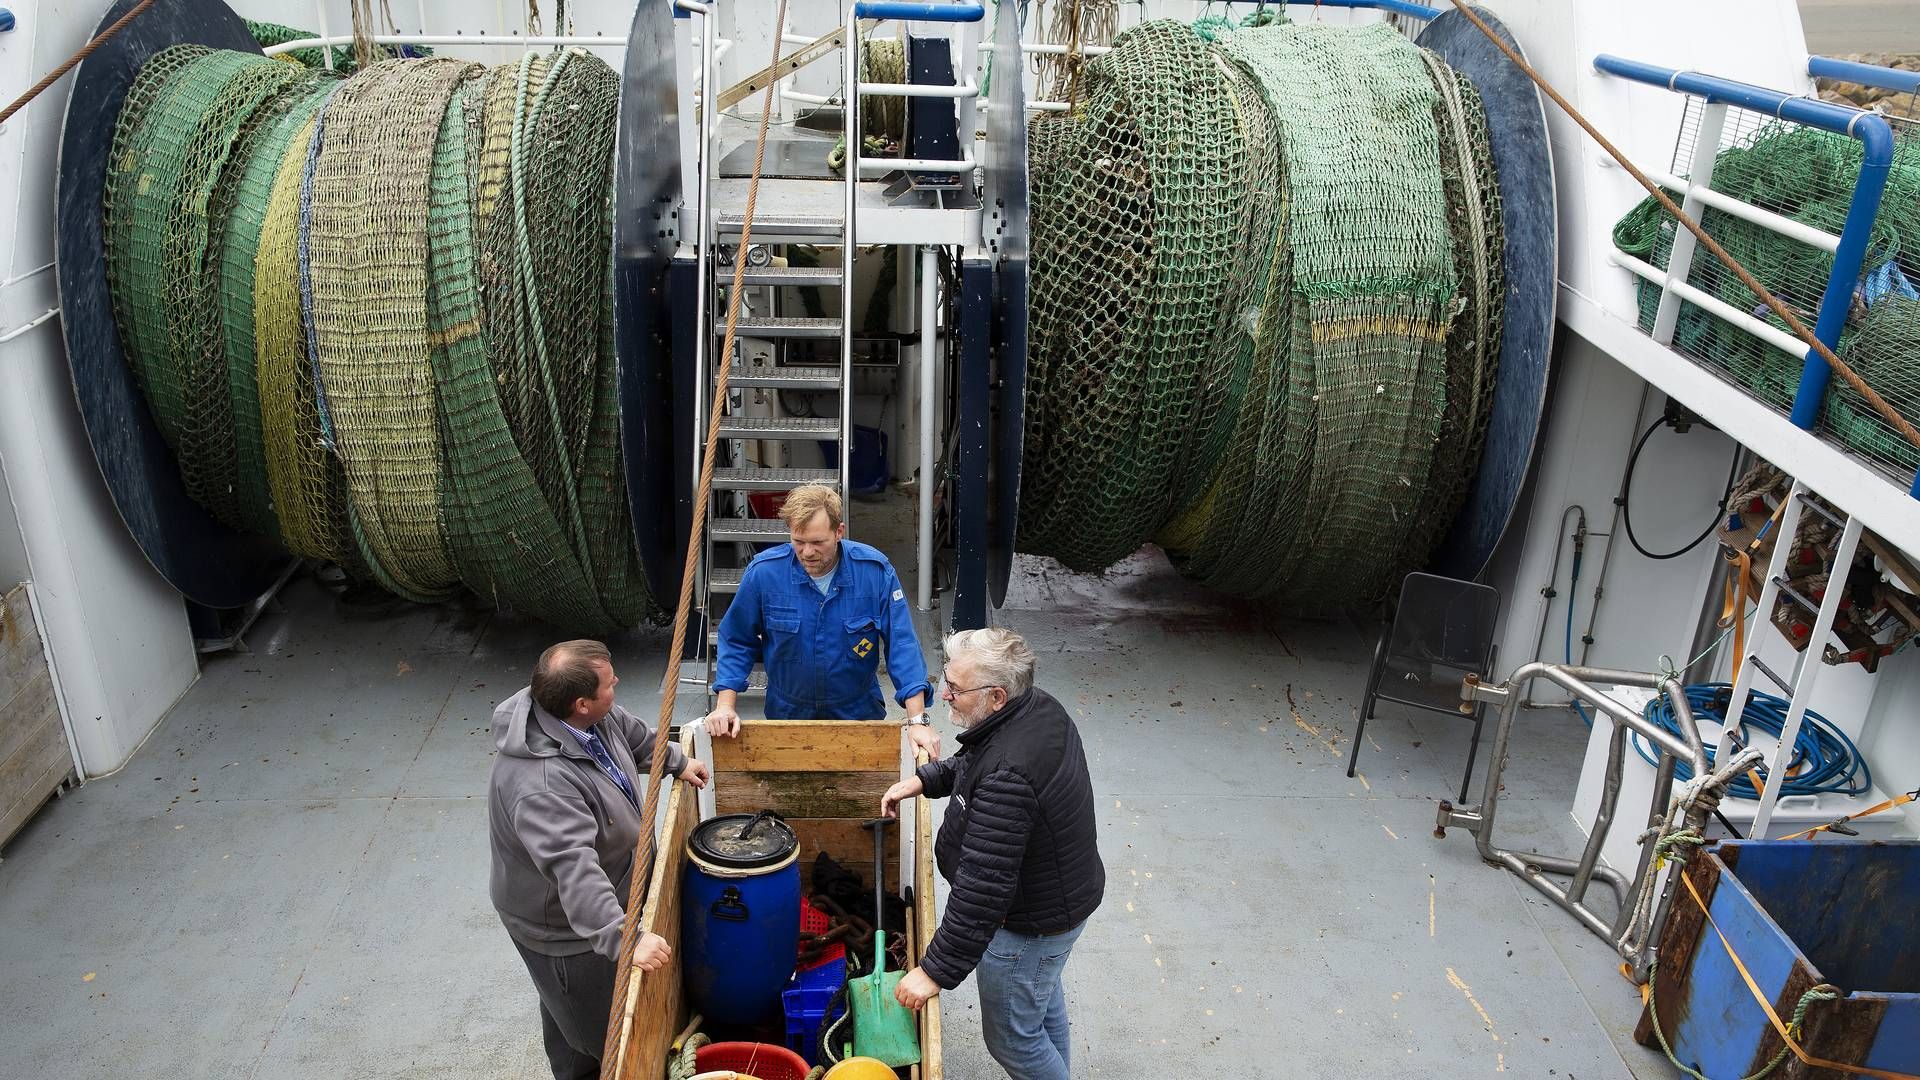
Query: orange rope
{"type": "Point", "coordinates": [626, 986]}
{"type": "Point", "coordinates": [1766, 1005]}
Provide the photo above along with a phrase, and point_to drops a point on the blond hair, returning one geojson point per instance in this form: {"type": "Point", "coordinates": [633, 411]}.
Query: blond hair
{"type": "Point", "coordinates": [807, 500]}
{"type": "Point", "coordinates": [998, 655]}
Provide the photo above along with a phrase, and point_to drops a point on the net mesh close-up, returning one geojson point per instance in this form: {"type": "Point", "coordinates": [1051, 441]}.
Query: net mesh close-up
{"type": "Point", "coordinates": [373, 316]}
{"type": "Point", "coordinates": [1266, 308]}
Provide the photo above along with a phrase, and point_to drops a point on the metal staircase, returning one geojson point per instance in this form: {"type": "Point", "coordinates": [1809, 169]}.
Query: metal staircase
{"type": "Point", "coordinates": [760, 370]}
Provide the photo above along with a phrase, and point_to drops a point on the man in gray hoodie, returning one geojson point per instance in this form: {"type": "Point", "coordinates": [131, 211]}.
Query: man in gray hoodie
{"type": "Point", "coordinates": [563, 809]}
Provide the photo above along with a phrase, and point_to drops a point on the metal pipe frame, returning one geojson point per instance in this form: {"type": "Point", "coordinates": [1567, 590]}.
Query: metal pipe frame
{"type": "Point", "coordinates": [1533, 867]}
{"type": "Point", "coordinates": [929, 377]}
{"type": "Point", "coordinates": [1876, 141]}
{"type": "Point", "coordinates": [850, 115]}
{"type": "Point", "coordinates": [1883, 78]}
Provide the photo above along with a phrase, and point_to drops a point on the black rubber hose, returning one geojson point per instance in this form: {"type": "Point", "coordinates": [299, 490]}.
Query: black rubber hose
{"type": "Point", "coordinates": [1626, 498]}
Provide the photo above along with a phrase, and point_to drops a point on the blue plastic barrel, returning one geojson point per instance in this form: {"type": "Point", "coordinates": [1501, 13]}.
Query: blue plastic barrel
{"type": "Point", "coordinates": [740, 917]}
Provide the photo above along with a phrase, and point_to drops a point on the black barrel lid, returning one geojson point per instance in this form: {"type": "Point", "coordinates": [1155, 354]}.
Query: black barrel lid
{"type": "Point", "coordinates": [744, 841]}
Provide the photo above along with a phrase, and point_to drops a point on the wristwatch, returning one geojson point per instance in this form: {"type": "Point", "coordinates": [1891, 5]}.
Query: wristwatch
{"type": "Point", "coordinates": [921, 719]}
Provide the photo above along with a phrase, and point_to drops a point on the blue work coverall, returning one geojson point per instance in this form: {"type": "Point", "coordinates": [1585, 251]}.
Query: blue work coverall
{"type": "Point", "coordinates": [822, 652]}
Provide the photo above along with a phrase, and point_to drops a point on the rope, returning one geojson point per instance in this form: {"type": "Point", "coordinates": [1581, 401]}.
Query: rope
{"type": "Point", "coordinates": [1824, 761]}
{"type": "Point", "coordinates": [73, 61]}
{"type": "Point", "coordinates": [626, 987]}
{"type": "Point", "coordinates": [1823, 992]}
{"type": "Point", "coordinates": [1872, 397]}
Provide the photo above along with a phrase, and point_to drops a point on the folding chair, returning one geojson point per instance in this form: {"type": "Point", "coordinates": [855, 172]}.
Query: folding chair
{"type": "Point", "coordinates": [1442, 630]}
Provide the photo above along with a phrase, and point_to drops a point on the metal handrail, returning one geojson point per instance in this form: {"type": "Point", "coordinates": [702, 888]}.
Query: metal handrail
{"type": "Point", "coordinates": [1882, 78]}
{"type": "Point", "coordinates": [1876, 139]}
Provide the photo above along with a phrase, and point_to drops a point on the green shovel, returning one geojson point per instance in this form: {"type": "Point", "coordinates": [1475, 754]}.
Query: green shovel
{"type": "Point", "coordinates": [882, 1027]}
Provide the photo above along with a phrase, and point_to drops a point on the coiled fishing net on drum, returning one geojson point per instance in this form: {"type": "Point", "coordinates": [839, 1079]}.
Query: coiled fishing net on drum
{"type": "Point", "coordinates": [373, 316]}
{"type": "Point", "coordinates": [1265, 309]}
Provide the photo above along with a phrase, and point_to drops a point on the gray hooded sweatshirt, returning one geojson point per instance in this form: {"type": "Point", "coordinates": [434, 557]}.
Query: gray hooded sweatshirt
{"type": "Point", "coordinates": [563, 832]}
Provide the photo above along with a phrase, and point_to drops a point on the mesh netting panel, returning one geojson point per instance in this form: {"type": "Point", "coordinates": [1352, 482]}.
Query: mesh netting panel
{"type": "Point", "coordinates": [1807, 175]}
{"type": "Point", "coordinates": [376, 316]}
{"type": "Point", "coordinates": [244, 196]}
{"type": "Point", "coordinates": [1266, 308]}
{"type": "Point", "coordinates": [1134, 232]}
{"type": "Point", "coordinates": [366, 242]}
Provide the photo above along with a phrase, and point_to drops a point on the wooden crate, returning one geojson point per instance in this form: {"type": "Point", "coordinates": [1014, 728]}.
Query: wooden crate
{"type": "Point", "coordinates": [35, 758]}
{"type": "Point", "coordinates": [826, 777]}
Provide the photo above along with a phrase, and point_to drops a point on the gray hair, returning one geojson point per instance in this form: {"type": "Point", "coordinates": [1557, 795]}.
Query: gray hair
{"type": "Point", "coordinates": [998, 655]}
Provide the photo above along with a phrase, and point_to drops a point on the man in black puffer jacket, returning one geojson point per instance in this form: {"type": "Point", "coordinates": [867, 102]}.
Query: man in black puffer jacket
{"type": "Point", "coordinates": [1017, 847]}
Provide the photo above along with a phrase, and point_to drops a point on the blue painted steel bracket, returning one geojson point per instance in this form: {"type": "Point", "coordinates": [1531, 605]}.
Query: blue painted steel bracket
{"type": "Point", "coordinates": [952, 11]}
{"type": "Point", "coordinates": [1876, 142]}
{"type": "Point", "coordinates": [204, 560]}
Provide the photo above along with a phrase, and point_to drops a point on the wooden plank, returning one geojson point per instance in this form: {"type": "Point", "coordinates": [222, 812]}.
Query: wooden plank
{"type": "Point", "coordinates": [661, 1009]}
{"type": "Point", "coordinates": [849, 844]}
{"type": "Point", "coordinates": [26, 713]}
{"type": "Point", "coordinates": [810, 746]}
{"type": "Point", "coordinates": [29, 776]}
{"type": "Point", "coordinates": [925, 922]}
{"type": "Point", "coordinates": [1894, 559]}
{"type": "Point", "coordinates": [21, 656]}
{"type": "Point", "coordinates": [1673, 964]}
{"type": "Point", "coordinates": [804, 794]}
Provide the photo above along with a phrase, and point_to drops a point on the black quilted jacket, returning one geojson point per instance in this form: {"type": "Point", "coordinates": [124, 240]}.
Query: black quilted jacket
{"type": "Point", "coordinates": [1018, 844]}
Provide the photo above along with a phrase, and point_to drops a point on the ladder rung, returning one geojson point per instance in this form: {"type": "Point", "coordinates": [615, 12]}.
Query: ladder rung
{"type": "Point", "coordinates": [1807, 500]}
{"type": "Point", "coordinates": [791, 377]}
{"type": "Point", "coordinates": [768, 226]}
{"type": "Point", "coordinates": [812, 276]}
{"type": "Point", "coordinates": [756, 682]}
{"type": "Point", "coordinates": [1760, 666]}
{"type": "Point", "coordinates": [1796, 595]}
{"type": "Point", "coordinates": [750, 530]}
{"type": "Point", "coordinates": [750, 479]}
{"type": "Point", "coordinates": [782, 427]}
{"type": "Point", "coordinates": [770, 327]}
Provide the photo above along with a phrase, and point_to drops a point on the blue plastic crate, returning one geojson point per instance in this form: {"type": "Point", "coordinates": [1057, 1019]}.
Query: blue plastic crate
{"type": "Point", "coordinates": [805, 1000]}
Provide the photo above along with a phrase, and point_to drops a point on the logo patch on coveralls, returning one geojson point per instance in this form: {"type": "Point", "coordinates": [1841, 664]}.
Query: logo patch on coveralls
{"type": "Point", "coordinates": [863, 648]}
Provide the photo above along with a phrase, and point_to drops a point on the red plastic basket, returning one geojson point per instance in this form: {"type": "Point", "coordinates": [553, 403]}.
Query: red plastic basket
{"type": "Point", "coordinates": [815, 921]}
{"type": "Point", "coordinates": [765, 1061]}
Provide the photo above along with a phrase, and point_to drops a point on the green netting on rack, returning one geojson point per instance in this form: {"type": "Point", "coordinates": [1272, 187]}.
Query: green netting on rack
{"type": "Point", "coordinates": [271, 34]}
{"type": "Point", "coordinates": [375, 316]}
{"type": "Point", "coordinates": [1807, 175]}
{"type": "Point", "coordinates": [1266, 308]}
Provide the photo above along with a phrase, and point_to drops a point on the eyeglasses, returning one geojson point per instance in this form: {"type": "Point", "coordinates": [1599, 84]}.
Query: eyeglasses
{"type": "Point", "coordinates": [950, 690]}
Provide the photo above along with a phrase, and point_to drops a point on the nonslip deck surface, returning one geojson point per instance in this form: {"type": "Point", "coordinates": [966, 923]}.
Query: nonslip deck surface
{"type": "Point", "coordinates": [290, 878]}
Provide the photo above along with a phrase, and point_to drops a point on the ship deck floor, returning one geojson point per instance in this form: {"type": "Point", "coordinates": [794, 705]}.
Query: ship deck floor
{"type": "Point", "coordinates": [289, 879]}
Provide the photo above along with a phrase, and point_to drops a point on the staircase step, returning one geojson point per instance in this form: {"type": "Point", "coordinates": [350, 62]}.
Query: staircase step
{"type": "Point", "coordinates": [772, 479]}
{"type": "Point", "coordinates": [782, 427]}
{"type": "Point", "coordinates": [724, 579]}
{"type": "Point", "coordinates": [751, 530]}
{"type": "Point", "coordinates": [809, 276]}
{"type": "Point", "coordinates": [785, 378]}
{"type": "Point", "coordinates": [763, 326]}
{"type": "Point", "coordinates": [773, 228]}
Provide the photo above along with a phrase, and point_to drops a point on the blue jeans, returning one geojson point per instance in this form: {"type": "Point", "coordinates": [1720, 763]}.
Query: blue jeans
{"type": "Point", "coordinates": [1023, 1009]}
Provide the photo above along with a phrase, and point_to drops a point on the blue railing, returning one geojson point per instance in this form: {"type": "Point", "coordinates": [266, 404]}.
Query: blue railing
{"type": "Point", "coordinates": [1398, 7]}
{"type": "Point", "coordinates": [1884, 78]}
{"type": "Point", "coordinates": [1876, 140]}
{"type": "Point", "coordinates": [952, 11]}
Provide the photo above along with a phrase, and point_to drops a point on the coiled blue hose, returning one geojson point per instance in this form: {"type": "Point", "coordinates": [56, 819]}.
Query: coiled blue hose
{"type": "Point", "coordinates": [1824, 759]}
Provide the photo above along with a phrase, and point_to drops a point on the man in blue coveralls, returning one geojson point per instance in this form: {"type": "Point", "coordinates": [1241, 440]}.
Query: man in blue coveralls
{"type": "Point", "coordinates": [817, 612]}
